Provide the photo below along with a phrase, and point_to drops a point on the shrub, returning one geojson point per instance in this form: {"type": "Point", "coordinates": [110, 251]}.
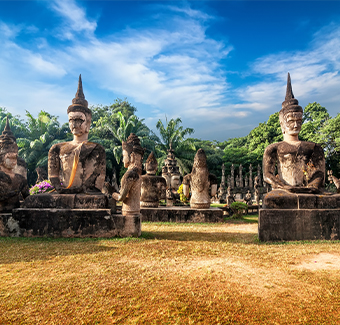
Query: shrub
{"type": "Point", "coordinates": [238, 208]}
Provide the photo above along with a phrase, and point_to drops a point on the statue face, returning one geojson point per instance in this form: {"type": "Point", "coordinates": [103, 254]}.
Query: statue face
{"type": "Point", "coordinates": [175, 182]}
{"type": "Point", "coordinates": [78, 124]}
{"type": "Point", "coordinates": [10, 160]}
{"type": "Point", "coordinates": [291, 123]}
{"type": "Point", "coordinates": [126, 159]}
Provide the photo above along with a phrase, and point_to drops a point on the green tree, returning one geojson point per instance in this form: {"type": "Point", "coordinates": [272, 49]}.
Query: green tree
{"type": "Point", "coordinates": [111, 136]}
{"type": "Point", "coordinates": [41, 133]}
{"type": "Point", "coordinates": [314, 118]}
{"type": "Point", "coordinates": [173, 134]}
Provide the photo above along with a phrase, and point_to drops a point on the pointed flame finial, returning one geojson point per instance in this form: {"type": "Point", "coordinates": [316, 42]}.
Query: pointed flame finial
{"type": "Point", "coordinates": [80, 93]}
{"type": "Point", "coordinates": [79, 103]}
{"type": "Point", "coordinates": [289, 90]}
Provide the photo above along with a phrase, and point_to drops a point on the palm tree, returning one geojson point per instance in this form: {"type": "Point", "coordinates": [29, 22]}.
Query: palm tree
{"type": "Point", "coordinates": [111, 134]}
{"type": "Point", "coordinates": [41, 133]}
{"type": "Point", "coordinates": [172, 136]}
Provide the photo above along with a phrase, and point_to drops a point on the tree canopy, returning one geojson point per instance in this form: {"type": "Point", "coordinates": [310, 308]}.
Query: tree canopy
{"type": "Point", "coordinates": [112, 124]}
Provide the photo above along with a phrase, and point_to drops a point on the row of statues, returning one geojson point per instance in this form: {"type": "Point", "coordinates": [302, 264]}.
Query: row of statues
{"type": "Point", "coordinates": [79, 166]}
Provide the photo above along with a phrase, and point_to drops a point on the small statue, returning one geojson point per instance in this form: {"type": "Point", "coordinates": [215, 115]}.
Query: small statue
{"type": "Point", "coordinates": [250, 183]}
{"type": "Point", "coordinates": [247, 199]}
{"type": "Point", "coordinates": [12, 185]}
{"type": "Point", "coordinates": [79, 165]}
{"type": "Point", "coordinates": [42, 174]}
{"type": "Point", "coordinates": [333, 179]}
{"type": "Point", "coordinates": [130, 190]}
{"type": "Point", "coordinates": [300, 164]}
{"type": "Point", "coordinates": [257, 192]}
{"type": "Point", "coordinates": [153, 187]}
{"type": "Point", "coordinates": [200, 180]}
{"type": "Point", "coordinates": [230, 197]}
{"type": "Point", "coordinates": [232, 177]}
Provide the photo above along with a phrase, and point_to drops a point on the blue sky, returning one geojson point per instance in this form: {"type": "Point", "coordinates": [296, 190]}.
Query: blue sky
{"type": "Point", "coordinates": [221, 66]}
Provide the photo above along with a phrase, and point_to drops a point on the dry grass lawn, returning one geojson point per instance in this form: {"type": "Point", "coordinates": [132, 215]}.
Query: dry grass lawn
{"type": "Point", "coordinates": [174, 274]}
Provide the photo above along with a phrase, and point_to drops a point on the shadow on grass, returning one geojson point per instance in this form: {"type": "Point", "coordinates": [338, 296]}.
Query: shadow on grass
{"type": "Point", "coordinates": [23, 249]}
{"type": "Point", "coordinates": [244, 238]}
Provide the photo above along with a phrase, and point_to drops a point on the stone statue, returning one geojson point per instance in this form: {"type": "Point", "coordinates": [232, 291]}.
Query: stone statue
{"type": "Point", "coordinates": [200, 180]}
{"type": "Point", "coordinates": [153, 187]}
{"type": "Point", "coordinates": [130, 190]}
{"type": "Point", "coordinates": [12, 185]}
{"type": "Point", "coordinates": [246, 181]}
{"type": "Point", "coordinates": [333, 179]}
{"type": "Point", "coordinates": [230, 197]}
{"type": "Point", "coordinates": [257, 191]}
{"type": "Point", "coordinates": [300, 164]}
{"type": "Point", "coordinates": [42, 174]}
{"type": "Point", "coordinates": [247, 199]}
{"type": "Point", "coordinates": [259, 175]}
{"type": "Point", "coordinates": [240, 180]}
{"type": "Point", "coordinates": [228, 181]}
{"type": "Point", "coordinates": [250, 176]}
{"type": "Point", "coordinates": [78, 166]}
{"type": "Point", "coordinates": [237, 181]}
{"type": "Point", "coordinates": [232, 177]}
{"type": "Point", "coordinates": [170, 171]}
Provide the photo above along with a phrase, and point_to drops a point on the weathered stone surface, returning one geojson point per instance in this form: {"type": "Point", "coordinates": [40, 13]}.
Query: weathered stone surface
{"type": "Point", "coordinates": [153, 187]}
{"type": "Point", "coordinates": [131, 181]}
{"type": "Point", "coordinates": [181, 214]}
{"type": "Point", "coordinates": [200, 181]}
{"type": "Point", "coordinates": [279, 199]}
{"type": "Point", "coordinates": [12, 184]}
{"type": "Point", "coordinates": [300, 164]}
{"type": "Point", "coordinates": [78, 166]}
{"type": "Point", "coordinates": [294, 224]}
{"type": "Point", "coordinates": [66, 201]}
{"type": "Point", "coordinates": [68, 223]}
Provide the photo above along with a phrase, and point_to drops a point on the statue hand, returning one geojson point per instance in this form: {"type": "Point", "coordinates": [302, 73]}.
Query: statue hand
{"type": "Point", "coordinates": [116, 196]}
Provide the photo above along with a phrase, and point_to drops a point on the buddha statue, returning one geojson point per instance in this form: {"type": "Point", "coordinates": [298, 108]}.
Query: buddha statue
{"type": "Point", "coordinates": [130, 190]}
{"type": "Point", "coordinates": [12, 184]}
{"type": "Point", "coordinates": [153, 187]}
{"type": "Point", "coordinates": [77, 166]}
{"type": "Point", "coordinates": [300, 164]}
{"type": "Point", "coordinates": [200, 180]}
{"type": "Point", "coordinates": [170, 172]}
{"type": "Point", "coordinates": [248, 198]}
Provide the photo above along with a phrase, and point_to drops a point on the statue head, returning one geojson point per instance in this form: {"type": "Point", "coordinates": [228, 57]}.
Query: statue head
{"type": "Point", "coordinates": [175, 181]}
{"type": "Point", "coordinates": [200, 160]}
{"type": "Point", "coordinates": [132, 151]}
{"type": "Point", "coordinates": [79, 114]}
{"type": "Point", "coordinates": [291, 113]}
{"type": "Point", "coordinates": [8, 148]}
{"type": "Point", "coordinates": [151, 164]}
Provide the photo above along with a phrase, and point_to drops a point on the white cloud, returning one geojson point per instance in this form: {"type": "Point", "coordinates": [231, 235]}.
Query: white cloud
{"type": "Point", "coordinates": [75, 18]}
{"type": "Point", "coordinates": [314, 74]}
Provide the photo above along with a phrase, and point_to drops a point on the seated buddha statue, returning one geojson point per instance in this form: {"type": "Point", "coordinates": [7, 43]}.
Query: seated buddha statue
{"type": "Point", "coordinates": [77, 166]}
{"type": "Point", "coordinates": [300, 164]}
{"type": "Point", "coordinates": [12, 184]}
{"type": "Point", "coordinates": [130, 190]}
{"type": "Point", "coordinates": [153, 187]}
{"type": "Point", "coordinates": [201, 183]}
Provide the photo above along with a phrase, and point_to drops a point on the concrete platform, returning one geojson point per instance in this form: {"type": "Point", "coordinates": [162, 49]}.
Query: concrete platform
{"type": "Point", "coordinates": [181, 214]}
{"type": "Point", "coordinates": [33, 222]}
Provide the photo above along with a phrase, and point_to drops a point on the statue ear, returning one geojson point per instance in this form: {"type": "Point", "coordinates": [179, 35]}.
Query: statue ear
{"type": "Point", "coordinates": [132, 157]}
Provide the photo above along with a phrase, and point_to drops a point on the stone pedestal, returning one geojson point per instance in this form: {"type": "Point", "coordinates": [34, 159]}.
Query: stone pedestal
{"type": "Point", "coordinates": [288, 216]}
{"type": "Point", "coordinates": [68, 215]}
{"type": "Point", "coordinates": [181, 214]}
{"type": "Point", "coordinates": [30, 222]}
